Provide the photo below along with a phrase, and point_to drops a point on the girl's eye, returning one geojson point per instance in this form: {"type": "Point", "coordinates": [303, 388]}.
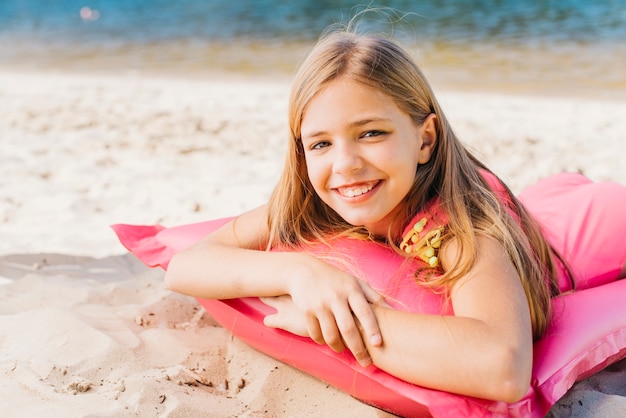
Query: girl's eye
{"type": "Point", "coordinates": [320, 145]}
{"type": "Point", "coordinates": [370, 134]}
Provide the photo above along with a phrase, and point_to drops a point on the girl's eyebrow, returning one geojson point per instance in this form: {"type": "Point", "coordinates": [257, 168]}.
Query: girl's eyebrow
{"type": "Point", "coordinates": [354, 124]}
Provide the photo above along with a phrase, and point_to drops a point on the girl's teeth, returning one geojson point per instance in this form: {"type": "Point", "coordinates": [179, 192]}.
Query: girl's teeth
{"type": "Point", "coordinates": [356, 192]}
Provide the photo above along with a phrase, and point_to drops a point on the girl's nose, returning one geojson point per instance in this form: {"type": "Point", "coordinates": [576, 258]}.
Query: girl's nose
{"type": "Point", "coordinates": [347, 158]}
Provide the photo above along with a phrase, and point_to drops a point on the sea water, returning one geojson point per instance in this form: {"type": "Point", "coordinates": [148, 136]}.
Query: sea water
{"type": "Point", "coordinates": [516, 43]}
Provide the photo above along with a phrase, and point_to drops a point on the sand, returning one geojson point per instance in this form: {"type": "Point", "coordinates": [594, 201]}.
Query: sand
{"type": "Point", "coordinates": [87, 330]}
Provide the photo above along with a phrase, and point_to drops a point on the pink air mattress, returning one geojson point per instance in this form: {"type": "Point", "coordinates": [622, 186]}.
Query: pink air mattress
{"type": "Point", "coordinates": [587, 334]}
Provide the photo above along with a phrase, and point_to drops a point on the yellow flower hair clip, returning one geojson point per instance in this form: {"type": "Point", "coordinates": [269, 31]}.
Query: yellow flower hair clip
{"type": "Point", "coordinates": [426, 248]}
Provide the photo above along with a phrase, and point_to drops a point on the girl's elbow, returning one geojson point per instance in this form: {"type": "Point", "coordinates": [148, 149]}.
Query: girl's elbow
{"type": "Point", "coordinates": [513, 375]}
{"type": "Point", "coordinates": [513, 389]}
{"type": "Point", "coordinates": [171, 278]}
{"type": "Point", "coordinates": [170, 282]}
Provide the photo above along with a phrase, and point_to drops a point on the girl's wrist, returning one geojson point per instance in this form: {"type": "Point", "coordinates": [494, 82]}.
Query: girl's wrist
{"type": "Point", "coordinates": [295, 266]}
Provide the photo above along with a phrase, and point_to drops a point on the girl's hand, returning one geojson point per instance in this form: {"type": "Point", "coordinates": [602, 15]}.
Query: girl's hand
{"type": "Point", "coordinates": [332, 305]}
{"type": "Point", "coordinates": [287, 316]}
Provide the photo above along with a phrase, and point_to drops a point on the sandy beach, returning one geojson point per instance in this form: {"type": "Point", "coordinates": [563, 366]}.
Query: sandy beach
{"type": "Point", "coordinates": [86, 330]}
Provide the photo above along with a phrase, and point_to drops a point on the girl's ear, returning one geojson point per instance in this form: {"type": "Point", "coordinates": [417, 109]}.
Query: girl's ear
{"type": "Point", "coordinates": [428, 139]}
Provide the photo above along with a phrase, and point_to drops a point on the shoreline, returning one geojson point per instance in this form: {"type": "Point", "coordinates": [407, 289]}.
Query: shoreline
{"type": "Point", "coordinates": [534, 68]}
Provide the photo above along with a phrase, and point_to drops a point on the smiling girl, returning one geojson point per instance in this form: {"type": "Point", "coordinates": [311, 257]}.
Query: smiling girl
{"type": "Point", "coordinates": [372, 157]}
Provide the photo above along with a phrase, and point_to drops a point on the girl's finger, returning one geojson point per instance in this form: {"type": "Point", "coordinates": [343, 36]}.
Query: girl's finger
{"type": "Point", "coordinates": [313, 328]}
{"type": "Point", "coordinates": [270, 301]}
{"type": "Point", "coordinates": [364, 314]}
{"type": "Point", "coordinates": [276, 302]}
{"type": "Point", "coordinates": [352, 338]}
{"type": "Point", "coordinates": [373, 296]}
{"type": "Point", "coordinates": [272, 321]}
{"type": "Point", "coordinates": [332, 335]}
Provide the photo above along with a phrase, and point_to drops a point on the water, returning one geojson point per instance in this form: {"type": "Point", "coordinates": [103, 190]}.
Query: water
{"type": "Point", "coordinates": [548, 43]}
{"type": "Point", "coordinates": [142, 21]}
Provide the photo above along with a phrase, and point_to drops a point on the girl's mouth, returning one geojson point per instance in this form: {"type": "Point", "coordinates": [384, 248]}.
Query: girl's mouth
{"type": "Point", "coordinates": [356, 190]}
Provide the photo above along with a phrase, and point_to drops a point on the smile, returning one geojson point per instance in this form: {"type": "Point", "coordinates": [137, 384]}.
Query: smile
{"type": "Point", "coordinates": [355, 191]}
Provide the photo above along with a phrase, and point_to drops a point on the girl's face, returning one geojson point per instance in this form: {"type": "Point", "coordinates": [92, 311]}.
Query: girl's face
{"type": "Point", "coordinates": [362, 152]}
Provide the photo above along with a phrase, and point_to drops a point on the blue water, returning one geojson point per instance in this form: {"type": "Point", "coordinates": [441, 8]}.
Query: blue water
{"type": "Point", "coordinates": [504, 41]}
{"type": "Point", "coordinates": [157, 20]}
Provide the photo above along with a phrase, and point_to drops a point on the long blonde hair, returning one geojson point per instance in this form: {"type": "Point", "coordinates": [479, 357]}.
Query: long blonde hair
{"type": "Point", "coordinates": [298, 216]}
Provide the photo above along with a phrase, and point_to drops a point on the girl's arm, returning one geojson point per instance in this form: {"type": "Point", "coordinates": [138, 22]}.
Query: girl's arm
{"type": "Point", "coordinates": [485, 350]}
{"type": "Point", "coordinates": [231, 263]}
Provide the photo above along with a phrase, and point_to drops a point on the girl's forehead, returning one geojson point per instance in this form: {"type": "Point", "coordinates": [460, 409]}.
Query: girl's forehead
{"type": "Point", "coordinates": [345, 96]}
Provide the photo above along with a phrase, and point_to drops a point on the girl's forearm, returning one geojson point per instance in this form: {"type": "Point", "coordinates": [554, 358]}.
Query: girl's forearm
{"type": "Point", "coordinates": [454, 354]}
{"type": "Point", "coordinates": [216, 271]}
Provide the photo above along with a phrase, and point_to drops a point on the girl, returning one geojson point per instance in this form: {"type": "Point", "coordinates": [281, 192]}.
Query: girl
{"type": "Point", "coordinates": [372, 156]}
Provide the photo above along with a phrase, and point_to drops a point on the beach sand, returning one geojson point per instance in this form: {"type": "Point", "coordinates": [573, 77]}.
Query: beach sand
{"type": "Point", "coordinates": [87, 330]}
